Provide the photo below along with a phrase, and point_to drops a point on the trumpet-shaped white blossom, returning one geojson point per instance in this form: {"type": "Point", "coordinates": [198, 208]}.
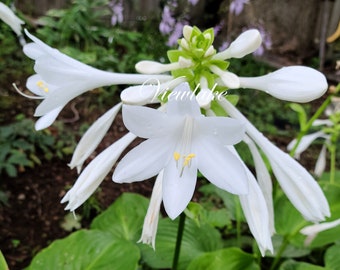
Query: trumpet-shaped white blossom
{"type": "Point", "coordinates": [94, 173]}
{"type": "Point", "coordinates": [264, 181]}
{"type": "Point", "coordinates": [93, 137]}
{"type": "Point", "coordinates": [182, 141]}
{"type": "Point", "coordinates": [256, 211]}
{"type": "Point", "coordinates": [312, 231]}
{"type": "Point", "coordinates": [63, 78]}
{"type": "Point", "coordinates": [8, 17]}
{"type": "Point", "coordinates": [332, 112]}
{"type": "Point", "coordinates": [299, 186]}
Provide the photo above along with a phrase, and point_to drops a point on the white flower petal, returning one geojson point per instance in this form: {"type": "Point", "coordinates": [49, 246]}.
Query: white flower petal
{"type": "Point", "coordinates": [256, 212]}
{"type": "Point", "coordinates": [149, 123]}
{"type": "Point", "coordinates": [47, 119]}
{"type": "Point", "coordinates": [319, 122]}
{"type": "Point", "coordinates": [264, 181]}
{"type": "Point", "coordinates": [248, 42]}
{"type": "Point", "coordinates": [321, 162]}
{"type": "Point", "coordinates": [298, 185]}
{"type": "Point", "coordinates": [220, 166]}
{"type": "Point", "coordinates": [144, 161]}
{"type": "Point", "coordinates": [93, 137]}
{"type": "Point", "coordinates": [178, 188]}
{"type": "Point", "coordinates": [305, 142]}
{"type": "Point", "coordinates": [312, 231]}
{"type": "Point", "coordinates": [182, 101]}
{"type": "Point", "coordinates": [227, 130]}
{"type": "Point", "coordinates": [33, 51]}
{"type": "Point", "coordinates": [95, 172]}
{"type": "Point", "coordinates": [33, 83]}
{"type": "Point", "coordinates": [151, 219]}
{"type": "Point", "coordinates": [295, 83]}
{"type": "Point", "coordinates": [320, 227]}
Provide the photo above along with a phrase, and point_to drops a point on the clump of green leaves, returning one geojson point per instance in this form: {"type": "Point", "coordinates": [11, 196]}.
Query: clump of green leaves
{"type": "Point", "coordinates": [21, 146]}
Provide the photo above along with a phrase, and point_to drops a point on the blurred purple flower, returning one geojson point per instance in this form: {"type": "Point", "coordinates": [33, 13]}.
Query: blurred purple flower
{"type": "Point", "coordinates": [193, 2]}
{"type": "Point", "coordinates": [236, 6]}
{"type": "Point", "coordinates": [224, 46]}
{"type": "Point", "coordinates": [117, 11]}
{"type": "Point", "coordinates": [168, 22]}
{"type": "Point", "coordinates": [218, 27]}
{"type": "Point", "coordinates": [266, 42]}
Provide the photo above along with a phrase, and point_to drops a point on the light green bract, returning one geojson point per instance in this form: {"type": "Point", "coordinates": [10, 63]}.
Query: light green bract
{"type": "Point", "coordinates": [198, 49]}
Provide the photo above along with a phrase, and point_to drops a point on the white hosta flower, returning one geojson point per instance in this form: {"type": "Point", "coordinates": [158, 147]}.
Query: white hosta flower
{"type": "Point", "coordinates": [295, 83]}
{"type": "Point", "coordinates": [246, 43]}
{"type": "Point", "coordinates": [257, 214]}
{"type": "Point", "coordinates": [93, 137]}
{"type": "Point", "coordinates": [69, 77]}
{"type": "Point", "coordinates": [264, 181]}
{"type": "Point", "coordinates": [151, 219]}
{"type": "Point", "coordinates": [320, 164]}
{"type": "Point", "coordinates": [8, 17]}
{"type": "Point", "coordinates": [94, 173]}
{"type": "Point", "coordinates": [182, 141]}
{"type": "Point", "coordinates": [41, 89]}
{"type": "Point", "coordinates": [299, 186]}
{"type": "Point", "coordinates": [312, 231]}
{"type": "Point", "coordinates": [307, 140]}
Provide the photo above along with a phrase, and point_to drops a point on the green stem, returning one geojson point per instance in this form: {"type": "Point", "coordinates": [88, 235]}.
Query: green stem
{"type": "Point", "coordinates": [280, 252]}
{"type": "Point", "coordinates": [305, 129]}
{"type": "Point", "coordinates": [332, 161]}
{"type": "Point", "coordinates": [238, 222]}
{"type": "Point", "coordinates": [180, 231]}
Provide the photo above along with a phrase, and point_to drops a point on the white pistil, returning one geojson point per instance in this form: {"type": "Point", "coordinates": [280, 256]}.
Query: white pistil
{"type": "Point", "coordinates": [24, 95]}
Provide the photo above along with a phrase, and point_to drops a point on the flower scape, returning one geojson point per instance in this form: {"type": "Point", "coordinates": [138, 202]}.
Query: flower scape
{"type": "Point", "coordinates": [186, 133]}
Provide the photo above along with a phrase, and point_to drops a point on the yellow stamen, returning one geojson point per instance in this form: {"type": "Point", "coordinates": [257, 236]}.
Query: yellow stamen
{"type": "Point", "coordinates": [177, 156]}
{"type": "Point", "coordinates": [188, 159]}
{"type": "Point", "coordinates": [42, 85]}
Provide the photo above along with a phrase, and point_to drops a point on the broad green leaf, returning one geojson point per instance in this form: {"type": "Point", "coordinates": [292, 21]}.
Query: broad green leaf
{"type": "Point", "coordinates": [294, 265]}
{"type": "Point", "coordinates": [287, 219]}
{"type": "Point", "coordinates": [196, 241]}
{"type": "Point", "coordinates": [87, 250]}
{"type": "Point", "coordinates": [124, 218]}
{"type": "Point", "coordinates": [332, 258]}
{"type": "Point", "coordinates": [226, 259]}
{"type": "Point", "coordinates": [291, 250]}
{"type": "Point", "coordinates": [3, 264]}
{"type": "Point", "coordinates": [231, 202]}
{"type": "Point", "coordinates": [332, 192]}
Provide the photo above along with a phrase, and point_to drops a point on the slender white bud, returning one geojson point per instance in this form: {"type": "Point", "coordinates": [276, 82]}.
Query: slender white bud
{"type": "Point", "coordinates": [295, 83]}
{"type": "Point", "coordinates": [246, 43]}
